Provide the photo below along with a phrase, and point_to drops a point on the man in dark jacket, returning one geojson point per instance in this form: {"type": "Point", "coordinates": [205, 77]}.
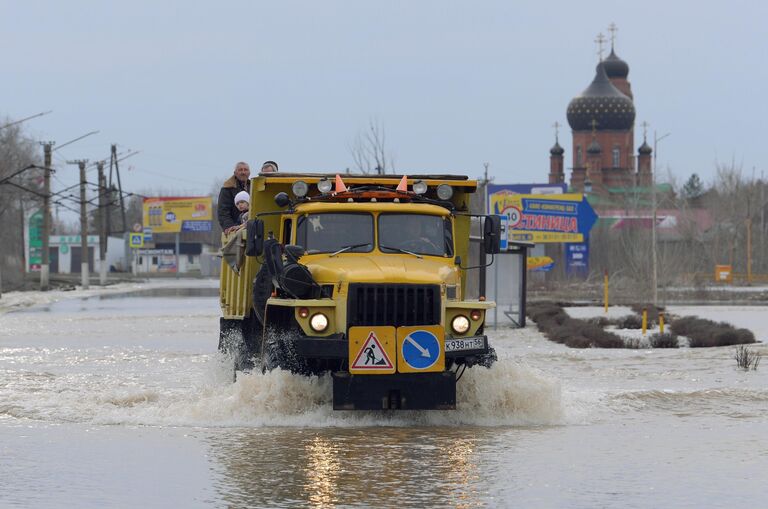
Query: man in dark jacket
{"type": "Point", "coordinates": [228, 215]}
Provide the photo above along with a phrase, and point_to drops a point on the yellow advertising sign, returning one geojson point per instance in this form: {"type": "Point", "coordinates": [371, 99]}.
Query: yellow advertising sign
{"type": "Point", "coordinates": [544, 218]}
{"type": "Point", "coordinates": [170, 214]}
{"type": "Point", "coordinates": [540, 263]}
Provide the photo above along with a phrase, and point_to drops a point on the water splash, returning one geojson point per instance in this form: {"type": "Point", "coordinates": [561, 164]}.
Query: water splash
{"type": "Point", "coordinates": [507, 394]}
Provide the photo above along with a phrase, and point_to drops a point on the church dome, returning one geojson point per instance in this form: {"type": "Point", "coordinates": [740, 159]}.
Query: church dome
{"type": "Point", "coordinates": [645, 148]}
{"type": "Point", "coordinates": [594, 148]}
{"type": "Point", "coordinates": [603, 103]}
{"type": "Point", "coordinates": [615, 67]}
{"type": "Point", "coordinates": [556, 149]}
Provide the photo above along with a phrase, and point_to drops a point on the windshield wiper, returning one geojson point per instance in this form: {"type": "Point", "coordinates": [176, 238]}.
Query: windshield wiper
{"type": "Point", "coordinates": [347, 248]}
{"type": "Point", "coordinates": [401, 250]}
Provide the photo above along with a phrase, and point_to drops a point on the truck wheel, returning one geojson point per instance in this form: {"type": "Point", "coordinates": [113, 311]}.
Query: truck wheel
{"type": "Point", "coordinates": [280, 353]}
{"type": "Point", "coordinates": [262, 289]}
{"type": "Point", "coordinates": [274, 355]}
{"type": "Point", "coordinates": [240, 340]}
{"type": "Point", "coordinates": [488, 359]}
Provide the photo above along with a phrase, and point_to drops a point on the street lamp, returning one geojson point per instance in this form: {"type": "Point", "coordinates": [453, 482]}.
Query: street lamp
{"type": "Point", "coordinates": [654, 279]}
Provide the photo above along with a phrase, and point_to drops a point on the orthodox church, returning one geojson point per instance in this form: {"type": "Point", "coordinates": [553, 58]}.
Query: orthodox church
{"type": "Point", "coordinates": [602, 120]}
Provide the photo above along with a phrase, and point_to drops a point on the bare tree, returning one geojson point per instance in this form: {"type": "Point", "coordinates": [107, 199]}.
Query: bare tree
{"type": "Point", "coordinates": [369, 151]}
{"type": "Point", "coordinates": [20, 194]}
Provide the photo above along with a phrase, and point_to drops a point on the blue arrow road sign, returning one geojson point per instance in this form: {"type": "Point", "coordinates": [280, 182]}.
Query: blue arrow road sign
{"type": "Point", "coordinates": [420, 349]}
{"type": "Point", "coordinates": [557, 215]}
{"type": "Point", "coordinates": [586, 216]}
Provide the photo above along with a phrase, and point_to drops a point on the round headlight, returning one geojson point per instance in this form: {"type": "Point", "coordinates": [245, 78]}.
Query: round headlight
{"type": "Point", "coordinates": [300, 188]}
{"type": "Point", "coordinates": [476, 314]}
{"type": "Point", "coordinates": [419, 187]}
{"type": "Point", "coordinates": [444, 191]}
{"type": "Point", "coordinates": [460, 324]}
{"type": "Point", "coordinates": [324, 186]}
{"type": "Point", "coordinates": [303, 312]}
{"type": "Point", "coordinates": [319, 322]}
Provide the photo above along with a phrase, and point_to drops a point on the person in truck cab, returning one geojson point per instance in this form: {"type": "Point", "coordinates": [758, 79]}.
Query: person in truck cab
{"type": "Point", "coordinates": [416, 234]}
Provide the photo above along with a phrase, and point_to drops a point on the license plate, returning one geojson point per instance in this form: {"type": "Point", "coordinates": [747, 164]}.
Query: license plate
{"type": "Point", "coordinates": [456, 345]}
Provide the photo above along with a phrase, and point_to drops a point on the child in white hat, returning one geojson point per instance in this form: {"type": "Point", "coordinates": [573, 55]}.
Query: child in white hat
{"type": "Point", "coordinates": [242, 202]}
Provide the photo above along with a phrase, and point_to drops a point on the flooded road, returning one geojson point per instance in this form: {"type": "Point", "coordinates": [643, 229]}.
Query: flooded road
{"type": "Point", "coordinates": [124, 402]}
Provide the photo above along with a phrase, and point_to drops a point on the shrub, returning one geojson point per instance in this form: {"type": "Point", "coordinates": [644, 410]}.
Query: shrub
{"type": "Point", "coordinates": [682, 326]}
{"type": "Point", "coordinates": [706, 333]}
{"type": "Point", "coordinates": [545, 314]}
{"type": "Point", "coordinates": [653, 311]}
{"type": "Point", "coordinates": [552, 320]}
{"type": "Point", "coordinates": [746, 359]}
{"type": "Point", "coordinates": [633, 343]}
{"type": "Point", "coordinates": [744, 336]}
{"type": "Point", "coordinates": [630, 322]}
{"type": "Point", "coordinates": [600, 321]}
{"type": "Point", "coordinates": [599, 337]}
{"type": "Point", "coordinates": [665, 340]}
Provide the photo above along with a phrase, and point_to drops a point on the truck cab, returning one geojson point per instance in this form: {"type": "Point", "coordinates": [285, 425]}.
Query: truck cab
{"type": "Point", "coordinates": [362, 277]}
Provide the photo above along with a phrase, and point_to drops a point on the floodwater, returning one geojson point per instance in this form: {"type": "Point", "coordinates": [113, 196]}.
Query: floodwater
{"type": "Point", "coordinates": [124, 402]}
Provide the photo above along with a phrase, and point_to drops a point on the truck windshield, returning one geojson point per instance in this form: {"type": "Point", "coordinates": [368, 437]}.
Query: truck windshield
{"type": "Point", "coordinates": [334, 232]}
{"type": "Point", "coordinates": [415, 233]}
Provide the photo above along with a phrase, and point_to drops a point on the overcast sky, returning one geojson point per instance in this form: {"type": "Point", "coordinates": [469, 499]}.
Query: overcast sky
{"type": "Point", "coordinates": [197, 86]}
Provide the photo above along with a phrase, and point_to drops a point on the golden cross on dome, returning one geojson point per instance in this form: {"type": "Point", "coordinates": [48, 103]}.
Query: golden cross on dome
{"type": "Point", "coordinates": [613, 29]}
{"type": "Point", "coordinates": [556, 125]}
{"type": "Point", "coordinates": [645, 129]}
{"type": "Point", "coordinates": [594, 125]}
{"type": "Point", "coordinates": [600, 40]}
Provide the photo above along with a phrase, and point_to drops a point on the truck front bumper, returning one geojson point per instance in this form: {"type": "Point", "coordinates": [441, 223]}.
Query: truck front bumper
{"type": "Point", "coordinates": [336, 348]}
{"type": "Point", "coordinates": [400, 391]}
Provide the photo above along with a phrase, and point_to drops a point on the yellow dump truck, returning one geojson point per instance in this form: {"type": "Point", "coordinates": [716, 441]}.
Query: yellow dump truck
{"type": "Point", "coordinates": [361, 276]}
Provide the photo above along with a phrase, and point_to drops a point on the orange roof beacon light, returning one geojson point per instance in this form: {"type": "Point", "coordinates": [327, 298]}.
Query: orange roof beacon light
{"type": "Point", "coordinates": [403, 185]}
{"type": "Point", "coordinates": [340, 187]}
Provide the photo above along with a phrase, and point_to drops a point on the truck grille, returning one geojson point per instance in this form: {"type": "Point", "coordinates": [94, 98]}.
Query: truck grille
{"type": "Point", "coordinates": [396, 305]}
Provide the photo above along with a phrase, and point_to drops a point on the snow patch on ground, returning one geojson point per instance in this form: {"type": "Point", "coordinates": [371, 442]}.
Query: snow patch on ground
{"type": "Point", "coordinates": [585, 312]}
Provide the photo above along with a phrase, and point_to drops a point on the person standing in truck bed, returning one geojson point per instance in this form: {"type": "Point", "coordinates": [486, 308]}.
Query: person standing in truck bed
{"type": "Point", "coordinates": [227, 213]}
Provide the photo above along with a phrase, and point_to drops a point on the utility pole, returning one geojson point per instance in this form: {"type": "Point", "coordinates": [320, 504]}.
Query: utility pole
{"type": "Point", "coordinates": [83, 224]}
{"type": "Point", "coordinates": [762, 221]}
{"type": "Point", "coordinates": [749, 251]}
{"type": "Point", "coordinates": [655, 281]}
{"type": "Point", "coordinates": [45, 266]}
{"type": "Point", "coordinates": [102, 225]}
{"type": "Point", "coordinates": [119, 186]}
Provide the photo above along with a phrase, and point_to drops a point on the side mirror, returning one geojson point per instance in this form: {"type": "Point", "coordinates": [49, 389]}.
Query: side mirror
{"type": "Point", "coordinates": [492, 234]}
{"type": "Point", "coordinates": [282, 199]}
{"type": "Point", "coordinates": [254, 241]}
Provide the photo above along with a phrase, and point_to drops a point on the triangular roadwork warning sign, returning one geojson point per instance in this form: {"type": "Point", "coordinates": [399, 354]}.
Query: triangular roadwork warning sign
{"type": "Point", "coordinates": [372, 355]}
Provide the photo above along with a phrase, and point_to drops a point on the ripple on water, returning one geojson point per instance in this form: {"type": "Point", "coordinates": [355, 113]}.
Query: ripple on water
{"type": "Point", "coordinates": [727, 401]}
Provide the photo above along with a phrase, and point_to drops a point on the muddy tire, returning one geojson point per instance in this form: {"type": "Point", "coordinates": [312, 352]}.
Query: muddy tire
{"type": "Point", "coordinates": [279, 352]}
{"type": "Point", "coordinates": [488, 359]}
{"type": "Point", "coordinates": [240, 340]}
{"type": "Point", "coordinates": [262, 289]}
